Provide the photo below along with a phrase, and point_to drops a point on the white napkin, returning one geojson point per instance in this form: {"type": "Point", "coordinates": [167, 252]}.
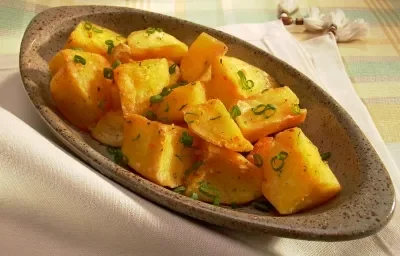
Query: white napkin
{"type": "Point", "coordinates": [53, 204]}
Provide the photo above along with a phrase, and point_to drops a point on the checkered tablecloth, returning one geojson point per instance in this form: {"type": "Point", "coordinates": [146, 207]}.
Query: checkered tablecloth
{"type": "Point", "coordinates": [373, 65]}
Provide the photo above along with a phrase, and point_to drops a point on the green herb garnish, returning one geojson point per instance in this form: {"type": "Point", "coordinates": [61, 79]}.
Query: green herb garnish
{"type": "Point", "coordinates": [265, 90]}
{"type": "Point", "coordinates": [235, 112]}
{"type": "Point", "coordinates": [118, 157]}
{"type": "Point", "coordinates": [88, 25]}
{"type": "Point", "coordinates": [77, 49]}
{"type": "Point", "coordinates": [195, 196]}
{"type": "Point", "coordinates": [108, 73]}
{"type": "Point", "coordinates": [79, 59]}
{"type": "Point", "coordinates": [96, 30]}
{"type": "Point", "coordinates": [136, 138]}
{"type": "Point", "coordinates": [151, 115]}
{"type": "Point", "coordinates": [191, 114]}
{"type": "Point", "coordinates": [215, 118]}
{"type": "Point", "coordinates": [110, 44]}
{"type": "Point", "coordinates": [258, 160]}
{"type": "Point", "coordinates": [261, 206]}
{"type": "Point", "coordinates": [116, 64]}
{"type": "Point", "coordinates": [159, 30]}
{"type": "Point", "coordinates": [186, 139]}
{"type": "Point", "coordinates": [296, 109]}
{"type": "Point", "coordinates": [194, 167]}
{"type": "Point", "coordinates": [166, 91]}
{"type": "Point", "coordinates": [209, 191]}
{"type": "Point", "coordinates": [156, 99]}
{"type": "Point", "coordinates": [172, 69]}
{"type": "Point", "coordinates": [325, 156]}
{"type": "Point", "coordinates": [150, 30]}
{"type": "Point", "coordinates": [244, 83]}
{"type": "Point", "coordinates": [179, 189]}
{"type": "Point", "coordinates": [264, 109]}
{"type": "Point", "coordinates": [278, 161]}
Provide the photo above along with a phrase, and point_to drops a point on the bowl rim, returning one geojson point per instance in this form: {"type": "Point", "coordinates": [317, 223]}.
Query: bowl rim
{"type": "Point", "coordinates": [267, 224]}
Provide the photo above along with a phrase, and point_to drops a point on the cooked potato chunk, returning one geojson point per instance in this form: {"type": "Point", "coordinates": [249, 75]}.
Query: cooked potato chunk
{"type": "Point", "coordinates": [122, 53]}
{"type": "Point", "coordinates": [223, 176]}
{"type": "Point", "coordinates": [66, 55]}
{"type": "Point", "coordinates": [269, 112]}
{"type": "Point", "coordinates": [138, 81]}
{"type": "Point", "coordinates": [94, 38]}
{"type": "Point", "coordinates": [115, 98]}
{"type": "Point", "coordinates": [206, 77]}
{"type": "Point", "coordinates": [200, 55]}
{"type": "Point", "coordinates": [155, 150]}
{"type": "Point", "coordinates": [233, 79]}
{"type": "Point", "coordinates": [295, 176]}
{"type": "Point", "coordinates": [212, 122]}
{"type": "Point", "coordinates": [170, 110]}
{"type": "Point", "coordinates": [174, 73]}
{"type": "Point", "coordinates": [154, 43]}
{"type": "Point", "coordinates": [80, 91]}
{"type": "Point", "coordinates": [109, 129]}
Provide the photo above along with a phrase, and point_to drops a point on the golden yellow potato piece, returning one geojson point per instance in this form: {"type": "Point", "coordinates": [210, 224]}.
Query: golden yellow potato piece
{"type": "Point", "coordinates": [296, 178]}
{"type": "Point", "coordinates": [269, 112]}
{"type": "Point", "coordinates": [234, 79]}
{"type": "Point", "coordinates": [200, 55]}
{"type": "Point", "coordinates": [94, 38]}
{"type": "Point", "coordinates": [174, 73]}
{"type": "Point", "coordinates": [115, 98]}
{"type": "Point", "coordinates": [109, 129]}
{"type": "Point", "coordinates": [170, 110]}
{"type": "Point", "coordinates": [155, 150]}
{"type": "Point", "coordinates": [138, 81]}
{"type": "Point", "coordinates": [81, 92]}
{"type": "Point", "coordinates": [212, 122]}
{"type": "Point", "coordinates": [154, 43]}
{"type": "Point", "coordinates": [66, 55]}
{"type": "Point", "coordinates": [223, 176]}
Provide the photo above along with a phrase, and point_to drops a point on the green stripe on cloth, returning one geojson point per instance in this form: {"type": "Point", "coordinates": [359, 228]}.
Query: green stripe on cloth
{"type": "Point", "coordinates": [368, 68]}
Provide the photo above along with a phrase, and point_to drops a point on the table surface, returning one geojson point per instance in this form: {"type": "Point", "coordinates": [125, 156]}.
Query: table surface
{"type": "Point", "coordinates": [373, 65]}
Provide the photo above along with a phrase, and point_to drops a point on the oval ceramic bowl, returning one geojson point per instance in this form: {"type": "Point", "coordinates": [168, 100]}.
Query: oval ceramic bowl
{"type": "Point", "coordinates": [363, 207]}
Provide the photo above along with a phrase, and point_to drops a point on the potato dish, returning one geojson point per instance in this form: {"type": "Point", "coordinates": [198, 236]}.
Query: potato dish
{"type": "Point", "coordinates": [191, 118]}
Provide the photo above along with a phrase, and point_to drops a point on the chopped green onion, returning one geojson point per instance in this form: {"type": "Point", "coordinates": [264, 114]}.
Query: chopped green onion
{"type": "Point", "coordinates": [108, 73]}
{"type": "Point", "coordinates": [265, 90]}
{"type": "Point", "coordinates": [267, 113]}
{"type": "Point", "coordinates": [296, 109]}
{"type": "Point", "coordinates": [179, 189]}
{"type": "Point", "coordinates": [258, 160]}
{"type": "Point", "coordinates": [118, 157]}
{"type": "Point", "coordinates": [209, 191]}
{"type": "Point", "coordinates": [172, 69]}
{"type": "Point", "coordinates": [215, 118]}
{"type": "Point", "coordinates": [156, 99]}
{"type": "Point", "coordinates": [186, 139]}
{"type": "Point", "coordinates": [244, 83]}
{"type": "Point", "coordinates": [136, 138]}
{"type": "Point", "coordinates": [159, 30]}
{"type": "Point", "coordinates": [216, 201]}
{"type": "Point", "coordinates": [151, 115]}
{"type": "Point", "coordinates": [77, 49]}
{"type": "Point", "coordinates": [166, 91]}
{"type": "Point", "coordinates": [325, 156]}
{"type": "Point", "coordinates": [97, 30]}
{"type": "Point", "coordinates": [150, 30]}
{"type": "Point", "coordinates": [116, 64]}
{"type": "Point", "coordinates": [195, 196]}
{"type": "Point", "coordinates": [235, 112]}
{"type": "Point", "coordinates": [260, 109]}
{"type": "Point", "coordinates": [184, 105]}
{"type": "Point", "coordinates": [194, 167]}
{"type": "Point", "coordinates": [278, 161]}
{"type": "Point", "coordinates": [79, 59]}
{"type": "Point", "coordinates": [88, 25]}
{"type": "Point", "coordinates": [110, 44]}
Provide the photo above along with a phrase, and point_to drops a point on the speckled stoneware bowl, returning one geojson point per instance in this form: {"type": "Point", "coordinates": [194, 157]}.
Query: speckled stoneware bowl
{"type": "Point", "coordinates": [363, 207]}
